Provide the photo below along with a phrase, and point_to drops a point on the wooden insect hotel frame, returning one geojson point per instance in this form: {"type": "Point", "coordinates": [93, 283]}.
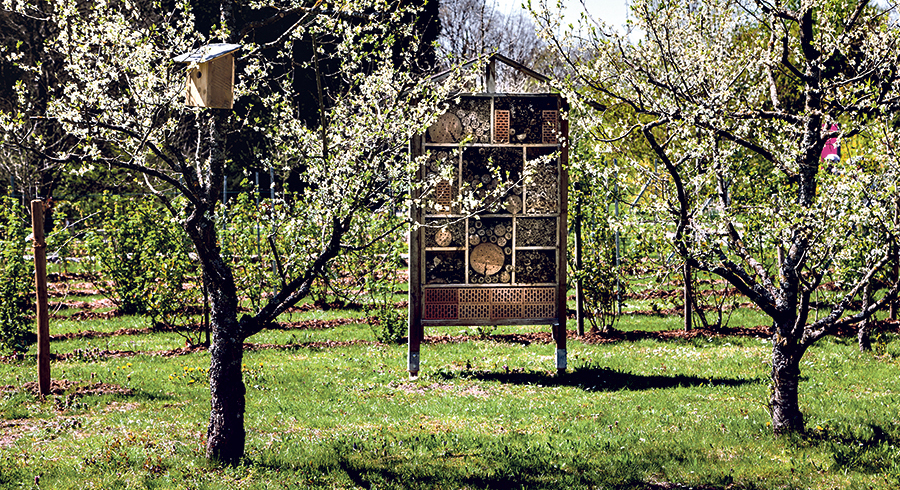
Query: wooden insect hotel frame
{"type": "Point", "coordinates": [489, 246]}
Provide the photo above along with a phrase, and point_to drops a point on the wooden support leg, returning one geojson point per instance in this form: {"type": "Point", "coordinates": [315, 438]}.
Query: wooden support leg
{"type": "Point", "coordinates": [40, 277]}
{"type": "Point", "coordinates": [416, 333]}
{"type": "Point", "coordinates": [559, 334]}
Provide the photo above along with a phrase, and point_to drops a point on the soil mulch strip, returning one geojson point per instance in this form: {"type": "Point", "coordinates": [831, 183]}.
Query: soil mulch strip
{"type": "Point", "coordinates": [317, 324]}
{"type": "Point", "coordinates": [760, 331]}
{"type": "Point", "coordinates": [68, 276]}
{"type": "Point", "coordinates": [678, 293]}
{"type": "Point", "coordinates": [77, 305]}
{"type": "Point", "coordinates": [97, 354]}
{"type": "Point", "coordinates": [60, 290]}
{"type": "Point", "coordinates": [299, 325]}
{"type": "Point", "coordinates": [326, 344]}
{"type": "Point", "coordinates": [93, 334]}
{"type": "Point", "coordinates": [545, 337]}
{"type": "Point", "coordinates": [541, 337]}
{"type": "Point", "coordinates": [66, 387]}
{"type": "Point", "coordinates": [93, 315]}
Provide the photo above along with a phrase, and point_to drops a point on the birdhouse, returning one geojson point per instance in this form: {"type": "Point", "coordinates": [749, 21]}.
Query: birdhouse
{"type": "Point", "coordinates": [211, 82]}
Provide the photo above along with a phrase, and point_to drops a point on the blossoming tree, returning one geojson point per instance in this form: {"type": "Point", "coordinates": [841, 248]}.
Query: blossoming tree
{"type": "Point", "coordinates": [736, 99]}
{"type": "Point", "coordinates": [119, 101]}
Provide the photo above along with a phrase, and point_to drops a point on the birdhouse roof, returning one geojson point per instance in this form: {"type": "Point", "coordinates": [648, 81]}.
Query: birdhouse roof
{"type": "Point", "coordinates": [503, 59]}
{"type": "Point", "coordinates": [206, 53]}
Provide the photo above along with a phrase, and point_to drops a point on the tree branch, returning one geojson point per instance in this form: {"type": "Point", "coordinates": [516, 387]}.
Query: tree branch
{"type": "Point", "coordinates": [833, 321]}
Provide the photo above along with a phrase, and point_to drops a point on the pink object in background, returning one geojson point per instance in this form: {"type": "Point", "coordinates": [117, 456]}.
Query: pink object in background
{"type": "Point", "coordinates": [832, 150]}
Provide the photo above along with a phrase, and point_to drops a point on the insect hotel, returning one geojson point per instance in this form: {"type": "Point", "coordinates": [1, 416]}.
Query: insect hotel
{"type": "Point", "coordinates": [490, 243]}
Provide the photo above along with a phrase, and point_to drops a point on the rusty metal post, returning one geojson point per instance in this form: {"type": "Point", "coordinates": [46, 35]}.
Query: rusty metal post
{"type": "Point", "coordinates": [40, 280]}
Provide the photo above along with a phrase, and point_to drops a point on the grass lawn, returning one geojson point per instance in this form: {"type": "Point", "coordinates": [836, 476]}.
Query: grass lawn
{"type": "Point", "coordinates": [486, 413]}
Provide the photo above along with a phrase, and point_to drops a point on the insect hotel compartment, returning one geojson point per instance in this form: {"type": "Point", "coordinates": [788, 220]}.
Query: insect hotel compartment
{"type": "Point", "coordinates": [541, 181]}
{"type": "Point", "coordinates": [471, 118]}
{"type": "Point", "coordinates": [490, 250]}
{"type": "Point", "coordinates": [445, 233]}
{"type": "Point", "coordinates": [536, 232]}
{"type": "Point", "coordinates": [535, 266]}
{"type": "Point", "coordinates": [445, 267]}
{"type": "Point", "coordinates": [491, 212]}
{"type": "Point", "coordinates": [492, 177]}
{"type": "Point", "coordinates": [500, 303]}
{"type": "Point", "coordinates": [531, 120]}
{"type": "Point", "coordinates": [441, 186]}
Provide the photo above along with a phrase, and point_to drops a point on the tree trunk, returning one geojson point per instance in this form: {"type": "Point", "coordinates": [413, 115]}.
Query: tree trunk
{"type": "Point", "coordinates": [862, 337]}
{"type": "Point", "coordinates": [225, 435]}
{"type": "Point", "coordinates": [786, 415]}
{"type": "Point", "coordinates": [865, 327]}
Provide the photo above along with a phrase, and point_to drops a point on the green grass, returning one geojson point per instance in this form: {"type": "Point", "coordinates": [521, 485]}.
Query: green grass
{"type": "Point", "coordinates": [483, 414]}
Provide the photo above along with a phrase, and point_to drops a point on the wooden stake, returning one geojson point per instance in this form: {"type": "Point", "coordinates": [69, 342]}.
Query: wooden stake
{"type": "Point", "coordinates": [40, 279]}
{"type": "Point", "coordinates": [688, 295]}
{"type": "Point", "coordinates": [579, 264]}
{"type": "Point", "coordinates": [895, 261]}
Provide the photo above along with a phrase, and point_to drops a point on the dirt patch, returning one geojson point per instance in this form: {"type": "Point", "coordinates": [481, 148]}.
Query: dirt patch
{"type": "Point", "coordinates": [121, 407]}
{"type": "Point", "coordinates": [476, 391]}
{"type": "Point", "coordinates": [12, 430]}
{"type": "Point", "coordinates": [422, 389]}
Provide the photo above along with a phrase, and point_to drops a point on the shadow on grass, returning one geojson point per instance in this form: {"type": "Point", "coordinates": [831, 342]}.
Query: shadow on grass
{"type": "Point", "coordinates": [867, 448]}
{"type": "Point", "coordinates": [486, 462]}
{"type": "Point", "coordinates": [597, 379]}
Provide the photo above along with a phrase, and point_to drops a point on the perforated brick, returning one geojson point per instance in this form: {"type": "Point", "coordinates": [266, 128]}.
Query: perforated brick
{"type": "Point", "coordinates": [474, 312]}
{"type": "Point", "coordinates": [441, 311]}
{"type": "Point", "coordinates": [443, 195]}
{"type": "Point", "coordinates": [507, 296]}
{"type": "Point", "coordinates": [501, 126]}
{"type": "Point", "coordinates": [539, 311]}
{"type": "Point", "coordinates": [539, 295]}
{"type": "Point", "coordinates": [474, 295]}
{"type": "Point", "coordinates": [441, 296]}
{"type": "Point", "coordinates": [549, 123]}
{"type": "Point", "coordinates": [506, 311]}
